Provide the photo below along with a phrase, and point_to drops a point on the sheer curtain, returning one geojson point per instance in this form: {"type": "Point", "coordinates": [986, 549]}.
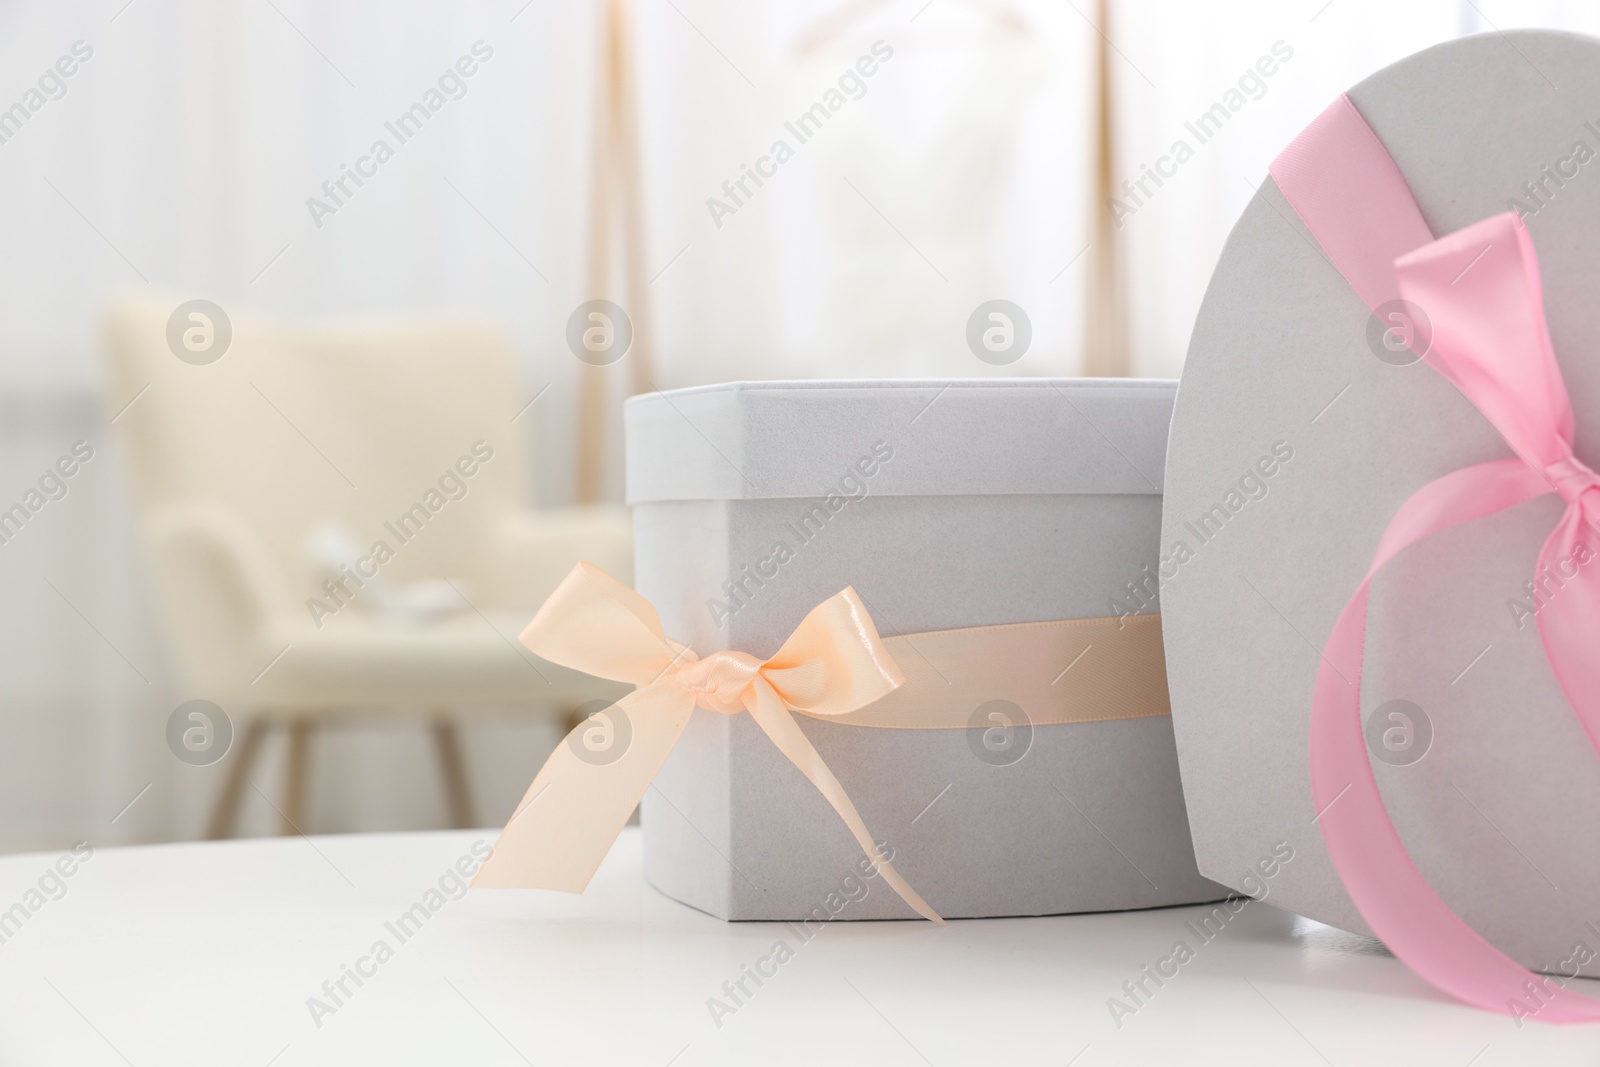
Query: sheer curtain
{"type": "Point", "coordinates": [956, 177]}
{"type": "Point", "coordinates": [1182, 58]}
{"type": "Point", "coordinates": [181, 154]}
{"type": "Point", "coordinates": [180, 159]}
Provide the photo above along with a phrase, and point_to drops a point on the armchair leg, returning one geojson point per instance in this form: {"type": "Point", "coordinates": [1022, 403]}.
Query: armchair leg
{"type": "Point", "coordinates": [453, 768]}
{"type": "Point", "coordinates": [294, 779]}
{"type": "Point", "coordinates": [226, 808]}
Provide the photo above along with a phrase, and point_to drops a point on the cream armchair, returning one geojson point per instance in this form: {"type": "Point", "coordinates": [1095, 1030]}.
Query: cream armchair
{"type": "Point", "coordinates": [400, 432]}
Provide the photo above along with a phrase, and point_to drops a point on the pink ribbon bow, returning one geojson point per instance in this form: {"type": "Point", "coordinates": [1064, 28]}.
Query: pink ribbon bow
{"type": "Point", "coordinates": [1480, 287]}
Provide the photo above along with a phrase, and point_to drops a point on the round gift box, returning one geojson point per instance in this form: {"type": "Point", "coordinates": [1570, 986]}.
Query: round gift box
{"type": "Point", "coordinates": [1299, 430]}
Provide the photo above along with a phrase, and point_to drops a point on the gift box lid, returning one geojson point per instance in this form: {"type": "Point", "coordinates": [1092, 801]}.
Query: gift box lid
{"type": "Point", "coordinates": [968, 436]}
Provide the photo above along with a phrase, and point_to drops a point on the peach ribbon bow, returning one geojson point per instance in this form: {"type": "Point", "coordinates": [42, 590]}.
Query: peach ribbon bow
{"type": "Point", "coordinates": [833, 664]}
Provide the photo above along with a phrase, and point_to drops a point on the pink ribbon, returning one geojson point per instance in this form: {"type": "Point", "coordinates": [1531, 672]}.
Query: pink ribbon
{"type": "Point", "coordinates": [1480, 287]}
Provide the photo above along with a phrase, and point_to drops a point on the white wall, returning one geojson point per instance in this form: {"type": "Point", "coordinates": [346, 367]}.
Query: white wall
{"type": "Point", "coordinates": [183, 152]}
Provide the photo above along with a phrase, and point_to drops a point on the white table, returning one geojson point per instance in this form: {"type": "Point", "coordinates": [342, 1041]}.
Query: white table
{"type": "Point", "coordinates": [207, 954]}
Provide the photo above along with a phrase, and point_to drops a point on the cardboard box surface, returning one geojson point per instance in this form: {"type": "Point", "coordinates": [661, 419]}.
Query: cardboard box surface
{"type": "Point", "coordinates": [1003, 501]}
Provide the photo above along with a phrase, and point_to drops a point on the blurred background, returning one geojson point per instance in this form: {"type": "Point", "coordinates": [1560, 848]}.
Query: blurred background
{"type": "Point", "coordinates": [284, 281]}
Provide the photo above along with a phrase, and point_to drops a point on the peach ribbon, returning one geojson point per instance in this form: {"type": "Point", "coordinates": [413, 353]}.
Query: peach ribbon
{"type": "Point", "coordinates": [1061, 671]}
{"type": "Point", "coordinates": [834, 666]}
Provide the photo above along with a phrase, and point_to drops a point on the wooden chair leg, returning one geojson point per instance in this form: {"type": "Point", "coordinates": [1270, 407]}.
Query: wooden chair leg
{"type": "Point", "coordinates": [226, 808]}
{"type": "Point", "coordinates": [294, 778]}
{"type": "Point", "coordinates": [458, 795]}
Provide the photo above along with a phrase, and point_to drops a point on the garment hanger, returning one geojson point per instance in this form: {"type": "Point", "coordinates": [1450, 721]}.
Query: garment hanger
{"type": "Point", "coordinates": [834, 24]}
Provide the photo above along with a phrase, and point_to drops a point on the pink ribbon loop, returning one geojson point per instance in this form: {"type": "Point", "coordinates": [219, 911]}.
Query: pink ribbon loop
{"type": "Point", "coordinates": [1481, 290]}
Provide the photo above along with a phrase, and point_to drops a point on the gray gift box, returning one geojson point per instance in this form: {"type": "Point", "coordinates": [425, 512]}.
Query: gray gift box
{"type": "Point", "coordinates": [955, 503]}
{"type": "Point", "coordinates": [1486, 774]}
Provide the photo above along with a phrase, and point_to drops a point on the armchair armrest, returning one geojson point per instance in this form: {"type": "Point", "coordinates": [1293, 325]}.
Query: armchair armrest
{"type": "Point", "coordinates": [217, 588]}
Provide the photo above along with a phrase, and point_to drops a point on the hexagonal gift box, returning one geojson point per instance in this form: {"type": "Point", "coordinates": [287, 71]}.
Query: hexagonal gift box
{"type": "Point", "coordinates": [947, 505]}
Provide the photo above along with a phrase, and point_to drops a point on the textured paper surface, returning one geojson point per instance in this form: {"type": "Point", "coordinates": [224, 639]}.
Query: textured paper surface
{"type": "Point", "coordinates": [1495, 812]}
{"type": "Point", "coordinates": [1005, 501]}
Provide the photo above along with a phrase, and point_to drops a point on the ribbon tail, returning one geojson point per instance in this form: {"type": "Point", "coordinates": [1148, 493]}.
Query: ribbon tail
{"type": "Point", "coordinates": [774, 718]}
{"type": "Point", "coordinates": [1570, 616]}
{"type": "Point", "coordinates": [1377, 872]}
{"type": "Point", "coordinates": [582, 797]}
